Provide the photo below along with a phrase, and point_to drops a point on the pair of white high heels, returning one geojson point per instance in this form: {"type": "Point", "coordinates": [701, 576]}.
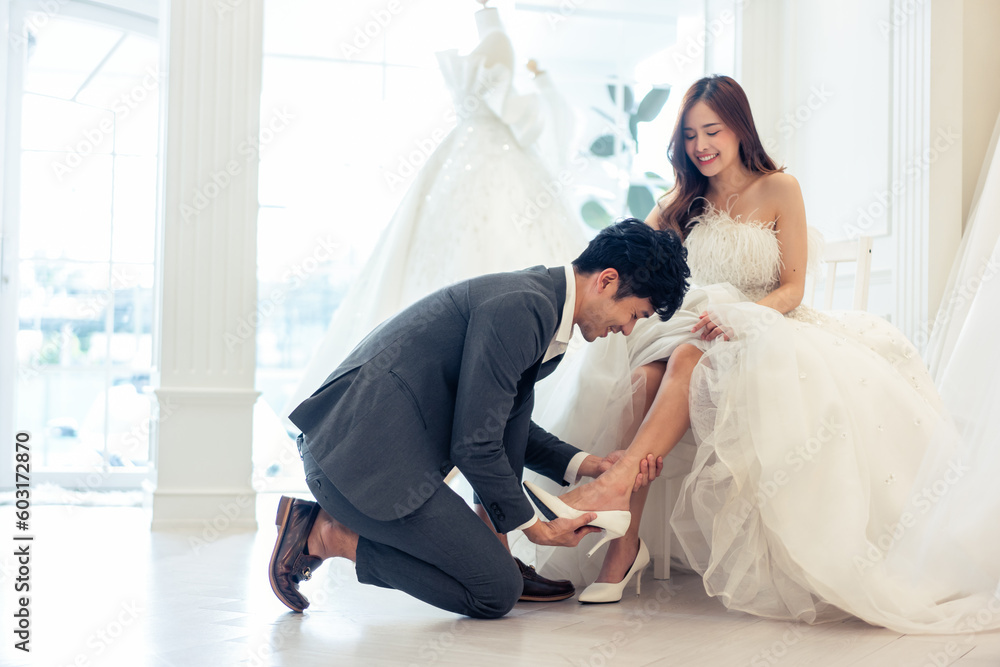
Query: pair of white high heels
{"type": "Point", "coordinates": [615, 524]}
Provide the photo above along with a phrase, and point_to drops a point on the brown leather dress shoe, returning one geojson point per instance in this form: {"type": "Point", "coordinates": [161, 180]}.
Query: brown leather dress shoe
{"type": "Point", "coordinates": [539, 589]}
{"type": "Point", "coordinates": [290, 564]}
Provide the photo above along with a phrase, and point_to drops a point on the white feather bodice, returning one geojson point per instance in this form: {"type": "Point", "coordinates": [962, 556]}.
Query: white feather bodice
{"type": "Point", "coordinates": [745, 254]}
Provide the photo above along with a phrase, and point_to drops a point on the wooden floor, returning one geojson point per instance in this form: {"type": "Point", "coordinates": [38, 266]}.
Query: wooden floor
{"type": "Point", "coordinates": [106, 591]}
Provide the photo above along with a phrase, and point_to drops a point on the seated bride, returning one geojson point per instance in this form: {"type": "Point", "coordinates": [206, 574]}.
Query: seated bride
{"type": "Point", "coordinates": [815, 432]}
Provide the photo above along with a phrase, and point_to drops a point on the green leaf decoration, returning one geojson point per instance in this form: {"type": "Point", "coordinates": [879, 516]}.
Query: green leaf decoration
{"type": "Point", "coordinates": [603, 146]}
{"type": "Point", "coordinates": [629, 105]}
{"type": "Point", "coordinates": [595, 215]}
{"type": "Point", "coordinates": [633, 128]}
{"type": "Point", "coordinates": [652, 104]}
{"type": "Point", "coordinates": [613, 92]}
{"type": "Point", "coordinates": [653, 175]}
{"type": "Point", "coordinates": [640, 201]}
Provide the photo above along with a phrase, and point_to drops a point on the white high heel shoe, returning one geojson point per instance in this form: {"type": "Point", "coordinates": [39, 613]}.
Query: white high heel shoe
{"type": "Point", "coordinates": [604, 592]}
{"type": "Point", "coordinates": [614, 522]}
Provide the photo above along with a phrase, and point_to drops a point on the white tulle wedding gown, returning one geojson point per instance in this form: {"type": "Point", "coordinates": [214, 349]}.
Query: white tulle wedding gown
{"type": "Point", "coordinates": [827, 479]}
{"type": "Point", "coordinates": [483, 202]}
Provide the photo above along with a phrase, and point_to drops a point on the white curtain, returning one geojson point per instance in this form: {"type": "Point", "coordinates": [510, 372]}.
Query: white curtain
{"type": "Point", "coordinates": [973, 272]}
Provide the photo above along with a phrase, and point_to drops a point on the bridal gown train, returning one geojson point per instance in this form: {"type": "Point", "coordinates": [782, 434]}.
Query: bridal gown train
{"type": "Point", "coordinates": [827, 480]}
{"type": "Point", "coordinates": [483, 202]}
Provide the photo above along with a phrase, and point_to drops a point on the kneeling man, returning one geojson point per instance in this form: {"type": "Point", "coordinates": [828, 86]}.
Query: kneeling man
{"type": "Point", "coordinates": [448, 382]}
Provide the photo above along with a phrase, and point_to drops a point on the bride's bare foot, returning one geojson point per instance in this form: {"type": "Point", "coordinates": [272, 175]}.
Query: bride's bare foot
{"type": "Point", "coordinates": [329, 538]}
{"type": "Point", "coordinates": [618, 561]}
{"type": "Point", "coordinates": [610, 491]}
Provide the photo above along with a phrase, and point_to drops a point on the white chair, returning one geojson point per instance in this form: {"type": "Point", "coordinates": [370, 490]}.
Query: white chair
{"type": "Point", "coordinates": [834, 254]}
{"type": "Point", "coordinates": [678, 463]}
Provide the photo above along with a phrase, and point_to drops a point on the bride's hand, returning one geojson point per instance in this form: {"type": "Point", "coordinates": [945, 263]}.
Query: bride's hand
{"type": "Point", "coordinates": [649, 469]}
{"type": "Point", "coordinates": [710, 329]}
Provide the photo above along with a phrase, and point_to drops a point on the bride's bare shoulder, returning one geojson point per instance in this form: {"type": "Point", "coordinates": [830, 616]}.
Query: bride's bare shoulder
{"type": "Point", "coordinates": [779, 184]}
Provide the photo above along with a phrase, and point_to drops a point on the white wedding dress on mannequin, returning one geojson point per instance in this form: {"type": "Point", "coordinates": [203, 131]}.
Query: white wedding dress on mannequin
{"type": "Point", "coordinates": [484, 202]}
{"type": "Point", "coordinates": [828, 480]}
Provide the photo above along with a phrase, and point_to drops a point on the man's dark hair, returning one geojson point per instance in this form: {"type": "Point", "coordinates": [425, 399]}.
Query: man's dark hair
{"type": "Point", "coordinates": [651, 263]}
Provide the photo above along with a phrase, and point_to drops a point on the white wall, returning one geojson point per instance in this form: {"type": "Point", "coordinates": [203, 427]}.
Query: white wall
{"type": "Point", "coordinates": [863, 97]}
{"type": "Point", "coordinates": [980, 89]}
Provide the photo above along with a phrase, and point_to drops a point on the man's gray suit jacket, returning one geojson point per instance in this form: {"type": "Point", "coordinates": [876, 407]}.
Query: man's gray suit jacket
{"type": "Point", "coordinates": [447, 382]}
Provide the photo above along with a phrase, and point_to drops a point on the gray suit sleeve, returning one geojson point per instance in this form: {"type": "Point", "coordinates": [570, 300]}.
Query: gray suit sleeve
{"type": "Point", "coordinates": [548, 455]}
{"type": "Point", "coordinates": [503, 340]}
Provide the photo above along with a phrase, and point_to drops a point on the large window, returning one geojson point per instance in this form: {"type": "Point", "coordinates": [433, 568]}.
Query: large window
{"type": "Point", "coordinates": [359, 88]}
{"type": "Point", "coordinates": [85, 260]}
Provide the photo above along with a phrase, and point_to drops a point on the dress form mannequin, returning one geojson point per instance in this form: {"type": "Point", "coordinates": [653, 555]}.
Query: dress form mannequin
{"type": "Point", "coordinates": [487, 19]}
{"type": "Point", "coordinates": [476, 205]}
{"type": "Point", "coordinates": [494, 44]}
{"type": "Point", "coordinates": [556, 144]}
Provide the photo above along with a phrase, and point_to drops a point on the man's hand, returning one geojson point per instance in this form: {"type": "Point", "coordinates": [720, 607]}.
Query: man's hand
{"type": "Point", "coordinates": [561, 532]}
{"type": "Point", "coordinates": [649, 468]}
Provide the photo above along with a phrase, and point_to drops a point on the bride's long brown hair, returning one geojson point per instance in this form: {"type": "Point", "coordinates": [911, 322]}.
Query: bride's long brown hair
{"type": "Point", "coordinates": [726, 98]}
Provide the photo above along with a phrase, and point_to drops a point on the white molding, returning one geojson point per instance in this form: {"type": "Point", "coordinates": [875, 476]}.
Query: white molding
{"type": "Point", "coordinates": [188, 491]}
{"type": "Point", "coordinates": [908, 208]}
{"type": "Point", "coordinates": [926, 151]}
{"type": "Point", "coordinates": [12, 59]}
{"type": "Point", "coordinates": [217, 513]}
{"type": "Point", "coordinates": [138, 16]}
{"type": "Point", "coordinates": [764, 51]}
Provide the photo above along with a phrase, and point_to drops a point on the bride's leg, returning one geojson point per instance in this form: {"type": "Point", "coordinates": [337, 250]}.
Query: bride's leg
{"type": "Point", "coordinates": [622, 552]}
{"type": "Point", "coordinates": [664, 425]}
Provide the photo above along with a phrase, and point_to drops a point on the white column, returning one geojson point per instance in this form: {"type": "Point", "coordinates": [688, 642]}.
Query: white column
{"type": "Point", "coordinates": [12, 59]}
{"type": "Point", "coordinates": [764, 66]}
{"type": "Point", "coordinates": [926, 148]}
{"type": "Point", "coordinates": [209, 211]}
